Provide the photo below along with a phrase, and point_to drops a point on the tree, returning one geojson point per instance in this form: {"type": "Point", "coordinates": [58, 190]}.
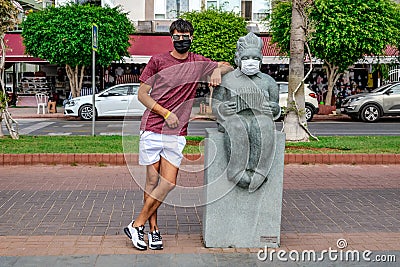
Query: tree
{"type": "Point", "coordinates": [62, 35]}
{"type": "Point", "coordinates": [8, 18]}
{"type": "Point", "coordinates": [344, 31]}
{"type": "Point", "coordinates": [347, 31]}
{"type": "Point", "coordinates": [296, 74]}
{"type": "Point", "coordinates": [291, 33]}
{"type": "Point", "coordinates": [216, 33]}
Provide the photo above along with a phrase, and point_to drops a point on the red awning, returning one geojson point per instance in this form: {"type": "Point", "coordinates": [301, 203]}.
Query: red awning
{"type": "Point", "coordinates": [149, 45]}
{"type": "Point", "coordinates": [141, 45]}
{"type": "Point", "coordinates": [269, 50]}
{"type": "Point", "coordinates": [15, 50]}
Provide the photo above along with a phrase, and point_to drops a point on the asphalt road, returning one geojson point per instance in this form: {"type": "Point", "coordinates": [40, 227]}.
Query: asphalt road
{"type": "Point", "coordinates": [388, 127]}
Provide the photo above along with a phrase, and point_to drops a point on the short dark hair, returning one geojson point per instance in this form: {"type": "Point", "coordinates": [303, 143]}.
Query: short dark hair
{"type": "Point", "coordinates": [181, 25]}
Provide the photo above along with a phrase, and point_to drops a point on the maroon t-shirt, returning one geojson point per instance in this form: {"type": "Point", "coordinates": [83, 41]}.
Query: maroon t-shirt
{"type": "Point", "coordinates": [174, 83]}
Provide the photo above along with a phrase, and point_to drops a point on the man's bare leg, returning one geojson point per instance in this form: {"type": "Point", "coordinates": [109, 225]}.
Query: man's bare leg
{"type": "Point", "coordinates": [152, 177]}
{"type": "Point", "coordinates": [168, 174]}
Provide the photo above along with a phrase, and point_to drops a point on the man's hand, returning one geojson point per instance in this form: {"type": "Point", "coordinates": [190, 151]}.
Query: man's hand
{"type": "Point", "coordinates": [227, 108]}
{"type": "Point", "coordinates": [172, 121]}
{"type": "Point", "coordinates": [215, 78]}
{"type": "Point", "coordinates": [223, 68]}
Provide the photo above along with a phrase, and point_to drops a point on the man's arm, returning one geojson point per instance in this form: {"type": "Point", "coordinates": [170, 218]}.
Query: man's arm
{"type": "Point", "coordinates": [143, 96]}
{"type": "Point", "coordinates": [223, 68]}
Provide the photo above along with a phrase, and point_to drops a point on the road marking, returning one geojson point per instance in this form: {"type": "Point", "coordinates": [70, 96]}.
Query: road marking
{"type": "Point", "coordinates": [72, 125]}
{"type": "Point", "coordinates": [119, 133]}
{"type": "Point", "coordinates": [59, 134]}
{"type": "Point", "coordinates": [35, 127]}
{"type": "Point", "coordinates": [115, 126]}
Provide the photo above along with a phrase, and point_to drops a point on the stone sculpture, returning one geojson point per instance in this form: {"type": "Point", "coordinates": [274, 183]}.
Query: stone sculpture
{"type": "Point", "coordinates": [246, 104]}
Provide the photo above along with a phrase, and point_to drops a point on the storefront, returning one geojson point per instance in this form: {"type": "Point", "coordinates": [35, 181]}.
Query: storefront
{"type": "Point", "coordinates": [26, 75]}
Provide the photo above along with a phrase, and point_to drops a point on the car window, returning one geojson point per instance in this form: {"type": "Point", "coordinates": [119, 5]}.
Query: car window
{"type": "Point", "coordinates": [380, 89]}
{"type": "Point", "coordinates": [395, 89]}
{"type": "Point", "coordinates": [133, 90]}
{"type": "Point", "coordinates": [119, 91]}
{"type": "Point", "coordinates": [283, 87]}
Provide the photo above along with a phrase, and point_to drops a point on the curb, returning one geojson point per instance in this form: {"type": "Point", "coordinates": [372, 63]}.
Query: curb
{"type": "Point", "coordinates": [192, 159]}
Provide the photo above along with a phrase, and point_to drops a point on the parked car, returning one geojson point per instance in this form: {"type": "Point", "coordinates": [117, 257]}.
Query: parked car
{"type": "Point", "coordinates": [118, 100]}
{"type": "Point", "coordinates": [370, 107]}
{"type": "Point", "coordinates": [311, 102]}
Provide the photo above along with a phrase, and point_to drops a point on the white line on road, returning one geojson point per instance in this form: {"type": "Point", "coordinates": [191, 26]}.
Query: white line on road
{"type": "Point", "coordinates": [35, 127]}
{"type": "Point", "coordinates": [72, 125]}
{"type": "Point", "coordinates": [59, 134]}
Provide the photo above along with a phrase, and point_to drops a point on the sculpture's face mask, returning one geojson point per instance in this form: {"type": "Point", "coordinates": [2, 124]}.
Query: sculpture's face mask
{"type": "Point", "coordinates": [250, 64]}
{"type": "Point", "coordinates": [182, 42]}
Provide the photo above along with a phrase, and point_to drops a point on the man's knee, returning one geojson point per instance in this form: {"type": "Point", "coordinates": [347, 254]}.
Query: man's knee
{"type": "Point", "coordinates": [167, 186]}
{"type": "Point", "coordinates": [152, 179]}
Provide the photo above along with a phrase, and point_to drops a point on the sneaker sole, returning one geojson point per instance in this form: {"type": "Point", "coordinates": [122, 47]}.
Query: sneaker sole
{"type": "Point", "coordinates": [128, 233]}
{"type": "Point", "coordinates": [156, 247]}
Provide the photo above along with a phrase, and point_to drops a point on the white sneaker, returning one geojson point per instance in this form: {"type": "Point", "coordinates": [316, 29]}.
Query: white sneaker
{"type": "Point", "coordinates": [155, 240]}
{"type": "Point", "coordinates": [136, 234]}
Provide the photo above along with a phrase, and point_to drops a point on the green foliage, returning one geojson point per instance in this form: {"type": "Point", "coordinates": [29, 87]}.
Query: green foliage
{"type": "Point", "coordinates": [82, 144]}
{"type": "Point", "coordinates": [344, 30]}
{"type": "Point", "coordinates": [216, 33]}
{"type": "Point", "coordinates": [63, 35]}
{"type": "Point", "coordinates": [347, 144]}
{"type": "Point", "coordinates": [280, 24]}
{"type": "Point", "coordinates": [8, 15]}
{"type": "Point", "coordinates": [113, 144]}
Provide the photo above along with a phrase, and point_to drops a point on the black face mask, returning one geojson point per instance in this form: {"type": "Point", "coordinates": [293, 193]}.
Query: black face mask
{"type": "Point", "coordinates": [182, 46]}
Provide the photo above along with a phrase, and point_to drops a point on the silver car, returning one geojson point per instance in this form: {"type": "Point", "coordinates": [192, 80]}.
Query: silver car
{"type": "Point", "coordinates": [370, 107]}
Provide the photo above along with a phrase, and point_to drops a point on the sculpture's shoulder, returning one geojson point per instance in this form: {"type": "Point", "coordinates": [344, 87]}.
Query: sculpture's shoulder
{"type": "Point", "coordinates": [234, 79]}
{"type": "Point", "coordinates": [267, 78]}
{"type": "Point", "coordinates": [228, 79]}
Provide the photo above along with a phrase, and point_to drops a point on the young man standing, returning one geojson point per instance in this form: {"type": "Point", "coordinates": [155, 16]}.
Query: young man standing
{"type": "Point", "coordinates": [168, 86]}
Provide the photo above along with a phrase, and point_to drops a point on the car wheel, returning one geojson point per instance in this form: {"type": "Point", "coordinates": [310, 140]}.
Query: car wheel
{"type": "Point", "coordinates": [86, 112]}
{"type": "Point", "coordinates": [370, 113]}
{"type": "Point", "coordinates": [309, 113]}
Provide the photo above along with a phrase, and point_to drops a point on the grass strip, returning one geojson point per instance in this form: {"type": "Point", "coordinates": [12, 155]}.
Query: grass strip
{"type": "Point", "coordinates": [130, 144]}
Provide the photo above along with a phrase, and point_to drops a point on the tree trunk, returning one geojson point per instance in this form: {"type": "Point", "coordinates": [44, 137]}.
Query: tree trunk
{"type": "Point", "coordinates": [296, 118]}
{"type": "Point", "coordinates": [3, 89]}
{"type": "Point", "coordinates": [332, 72]}
{"type": "Point", "coordinates": [1, 128]}
{"type": "Point", "coordinates": [75, 80]}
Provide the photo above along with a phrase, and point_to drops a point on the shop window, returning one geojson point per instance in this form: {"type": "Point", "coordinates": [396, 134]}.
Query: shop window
{"type": "Point", "coordinates": [170, 9]}
{"type": "Point", "coordinates": [213, 4]}
{"type": "Point", "coordinates": [255, 10]}
{"type": "Point", "coordinates": [246, 10]}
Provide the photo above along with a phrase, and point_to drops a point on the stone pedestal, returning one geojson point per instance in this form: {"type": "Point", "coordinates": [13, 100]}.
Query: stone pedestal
{"type": "Point", "coordinates": [233, 217]}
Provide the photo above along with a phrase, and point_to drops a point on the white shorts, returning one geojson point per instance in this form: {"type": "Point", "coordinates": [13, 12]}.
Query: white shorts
{"type": "Point", "coordinates": [153, 145]}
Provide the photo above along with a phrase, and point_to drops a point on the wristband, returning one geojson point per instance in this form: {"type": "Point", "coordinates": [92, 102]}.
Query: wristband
{"type": "Point", "coordinates": [166, 116]}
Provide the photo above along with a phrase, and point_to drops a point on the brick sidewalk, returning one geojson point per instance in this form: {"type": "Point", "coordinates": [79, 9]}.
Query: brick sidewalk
{"type": "Point", "coordinates": [68, 211]}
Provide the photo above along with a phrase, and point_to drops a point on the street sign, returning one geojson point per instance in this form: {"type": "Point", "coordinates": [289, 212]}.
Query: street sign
{"type": "Point", "coordinates": [95, 31]}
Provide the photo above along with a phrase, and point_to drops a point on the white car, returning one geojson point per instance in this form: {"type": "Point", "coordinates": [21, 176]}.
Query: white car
{"type": "Point", "coordinates": [117, 101]}
{"type": "Point", "coordinates": [311, 102]}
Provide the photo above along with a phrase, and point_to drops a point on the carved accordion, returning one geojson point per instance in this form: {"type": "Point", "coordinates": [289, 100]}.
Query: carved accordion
{"type": "Point", "coordinates": [248, 98]}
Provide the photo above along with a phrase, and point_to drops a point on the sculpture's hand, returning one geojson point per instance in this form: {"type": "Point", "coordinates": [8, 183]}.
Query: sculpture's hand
{"type": "Point", "coordinates": [228, 108]}
{"type": "Point", "coordinates": [266, 108]}
{"type": "Point", "coordinates": [172, 121]}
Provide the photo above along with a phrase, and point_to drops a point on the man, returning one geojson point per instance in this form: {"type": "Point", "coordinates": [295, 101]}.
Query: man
{"type": "Point", "coordinates": [168, 86]}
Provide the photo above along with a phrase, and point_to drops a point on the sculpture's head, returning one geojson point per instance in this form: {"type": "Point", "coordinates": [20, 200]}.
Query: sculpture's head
{"type": "Point", "coordinates": [248, 54]}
